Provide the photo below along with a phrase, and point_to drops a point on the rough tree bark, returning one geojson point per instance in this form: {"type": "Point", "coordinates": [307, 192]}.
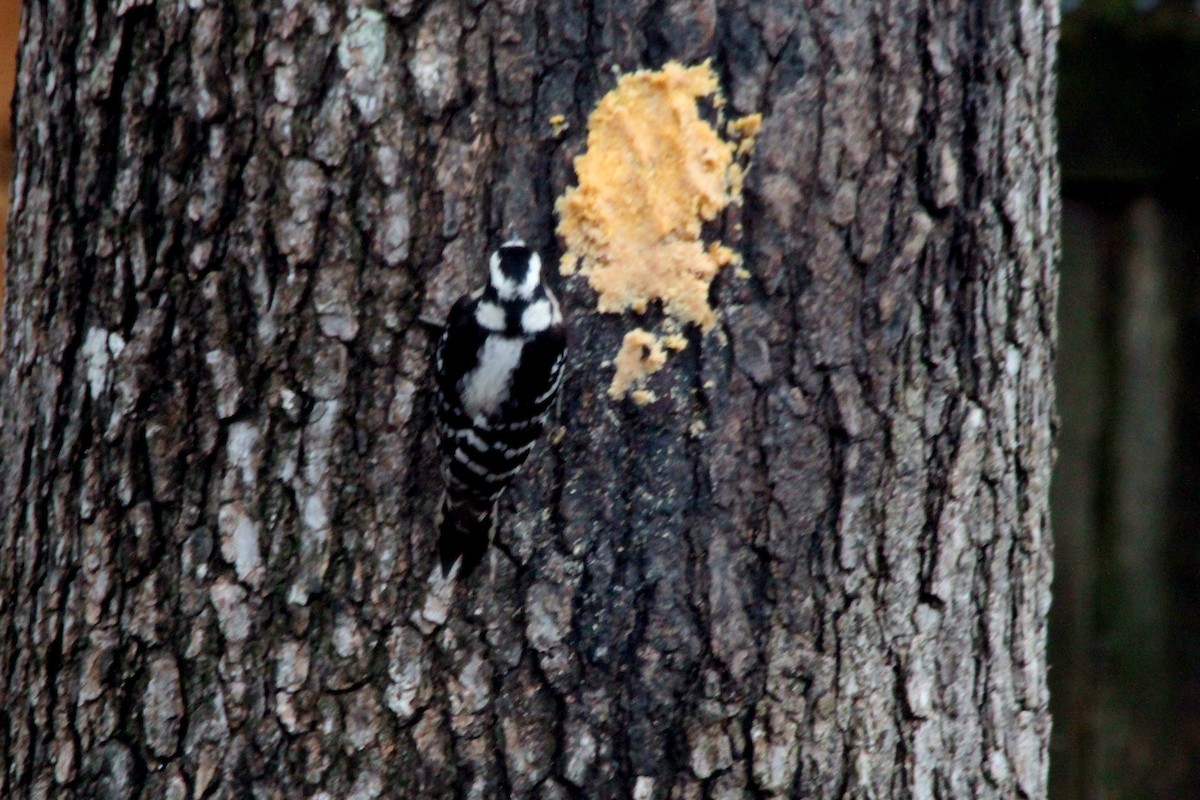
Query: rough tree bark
{"type": "Point", "coordinates": [215, 486]}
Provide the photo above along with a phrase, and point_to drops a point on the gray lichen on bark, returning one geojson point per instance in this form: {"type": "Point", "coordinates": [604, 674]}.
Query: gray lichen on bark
{"type": "Point", "coordinates": [215, 491]}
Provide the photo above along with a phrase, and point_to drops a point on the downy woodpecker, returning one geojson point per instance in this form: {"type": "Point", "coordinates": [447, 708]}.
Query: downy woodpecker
{"type": "Point", "coordinates": [498, 366]}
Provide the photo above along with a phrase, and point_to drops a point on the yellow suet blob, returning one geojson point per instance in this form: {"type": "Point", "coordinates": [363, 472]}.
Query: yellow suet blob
{"type": "Point", "coordinates": [653, 174]}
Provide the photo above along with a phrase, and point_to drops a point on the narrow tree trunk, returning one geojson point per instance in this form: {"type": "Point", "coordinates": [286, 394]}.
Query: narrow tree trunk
{"type": "Point", "coordinates": [818, 566]}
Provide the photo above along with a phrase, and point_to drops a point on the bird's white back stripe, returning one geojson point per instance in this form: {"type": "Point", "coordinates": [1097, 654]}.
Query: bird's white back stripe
{"type": "Point", "coordinates": [486, 387]}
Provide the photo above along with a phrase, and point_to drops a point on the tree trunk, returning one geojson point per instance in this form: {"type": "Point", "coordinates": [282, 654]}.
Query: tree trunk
{"type": "Point", "coordinates": [817, 566]}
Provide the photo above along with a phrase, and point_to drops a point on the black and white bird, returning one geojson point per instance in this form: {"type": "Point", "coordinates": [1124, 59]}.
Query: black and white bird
{"type": "Point", "coordinates": [498, 366]}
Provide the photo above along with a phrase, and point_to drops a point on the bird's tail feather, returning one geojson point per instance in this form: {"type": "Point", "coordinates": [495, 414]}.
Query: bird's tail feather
{"type": "Point", "coordinates": [466, 524]}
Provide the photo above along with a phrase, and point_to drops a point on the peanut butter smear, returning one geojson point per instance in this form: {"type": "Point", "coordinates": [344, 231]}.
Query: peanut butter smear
{"type": "Point", "coordinates": [653, 174]}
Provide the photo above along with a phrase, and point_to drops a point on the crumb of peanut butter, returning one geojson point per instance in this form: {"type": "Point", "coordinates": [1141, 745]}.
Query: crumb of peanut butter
{"type": "Point", "coordinates": [641, 356]}
{"type": "Point", "coordinates": [745, 129]}
{"type": "Point", "coordinates": [675, 341]}
{"type": "Point", "coordinates": [643, 396]}
{"type": "Point", "coordinates": [654, 172]}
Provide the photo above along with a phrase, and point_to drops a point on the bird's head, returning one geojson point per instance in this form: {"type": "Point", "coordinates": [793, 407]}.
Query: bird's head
{"type": "Point", "coordinates": [515, 271]}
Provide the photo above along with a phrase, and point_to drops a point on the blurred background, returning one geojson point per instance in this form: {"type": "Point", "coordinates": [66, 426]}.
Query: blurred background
{"type": "Point", "coordinates": [1125, 626]}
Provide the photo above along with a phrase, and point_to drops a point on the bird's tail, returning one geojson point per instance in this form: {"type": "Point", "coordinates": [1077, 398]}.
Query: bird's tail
{"type": "Point", "coordinates": [466, 525]}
